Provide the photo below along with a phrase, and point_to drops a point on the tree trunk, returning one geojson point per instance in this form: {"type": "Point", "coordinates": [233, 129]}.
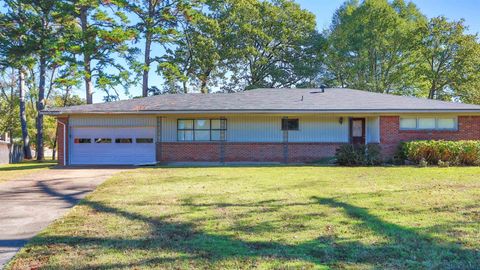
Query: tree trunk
{"type": "Point", "coordinates": [27, 152]}
{"type": "Point", "coordinates": [433, 91]}
{"type": "Point", "coordinates": [86, 56]}
{"type": "Point", "coordinates": [40, 107]}
{"type": "Point", "coordinates": [203, 87]}
{"type": "Point", "coordinates": [54, 150]}
{"type": "Point", "coordinates": [204, 82]}
{"type": "Point", "coordinates": [146, 68]}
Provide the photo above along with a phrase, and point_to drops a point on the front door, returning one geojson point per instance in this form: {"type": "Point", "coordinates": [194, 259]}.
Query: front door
{"type": "Point", "coordinates": [357, 130]}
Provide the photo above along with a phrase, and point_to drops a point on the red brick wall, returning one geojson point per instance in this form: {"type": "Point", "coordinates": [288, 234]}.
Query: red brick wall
{"type": "Point", "coordinates": [308, 152]}
{"type": "Point", "coordinates": [183, 151]}
{"type": "Point", "coordinates": [61, 159]}
{"type": "Point", "coordinates": [243, 152]}
{"type": "Point", "coordinates": [254, 152]}
{"type": "Point", "coordinates": [391, 135]}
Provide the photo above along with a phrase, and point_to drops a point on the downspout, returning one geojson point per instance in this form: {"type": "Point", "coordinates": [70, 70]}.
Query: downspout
{"type": "Point", "coordinates": [64, 142]}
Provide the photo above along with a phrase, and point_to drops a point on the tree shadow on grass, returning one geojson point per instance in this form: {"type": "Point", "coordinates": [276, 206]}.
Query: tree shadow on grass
{"type": "Point", "coordinates": [405, 247]}
{"type": "Point", "coordinates": [23, 167]}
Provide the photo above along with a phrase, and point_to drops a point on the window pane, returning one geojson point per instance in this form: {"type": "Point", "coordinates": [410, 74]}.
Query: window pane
{"type": "Point", "coordinates": [216, 124]}
{"type": "Point", "coordinates": [144, 140]}
{"type": "Point", "coordinates": [289, 124]}
{"type": "Point", "coordinates": [202, 124]}
{"type": "Point", "coordinates": [186, 135]}
{"type": "Point", "coordinates": [180, 135]}
{"type": "Point", "coordinates": [408, 123]}
{"type": "Point", "coordinates": [446, 123]}
{"type": "Point", "coordinates": [293, 124]}
{"type": "Point", "coordinates": [357, 128]}
{"type": "Point", "coordinates": [202, 135]}
{"type": "Point", "coordinates": [123, 140]}
{"type": "Point", "coordinates": [82, 140]}
{"type": "Point", "coordinates": [216, 135]}
{"type": "Point", "coordinates": [185, 124]}
{"type": "Point", "coordinates": [103, 140]}
{"type": "Point", "coordinates": [219, 124]}
{"type": "Point", "coordinates": [426, 123]}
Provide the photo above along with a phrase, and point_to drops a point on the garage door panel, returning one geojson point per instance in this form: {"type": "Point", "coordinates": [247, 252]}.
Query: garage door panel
{"type": "Point", "coordinates": [112, 153]}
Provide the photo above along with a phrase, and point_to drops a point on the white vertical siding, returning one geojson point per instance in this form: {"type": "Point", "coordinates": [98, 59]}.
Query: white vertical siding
{"type": "Point", "coordinates": [373, 129]}
{"type": "Point", "coordinates": [319, 128]}
{"type": "Point", "coordinates": [254, 128]}
{"type": "Point", "coordinates": [112, 121]}
{"type": "Point", "coordinates": [246, 128]}
{"type": "Point", "coordinates": [265, 128]}
{"type": "Point", "coordinates": [169, 129]}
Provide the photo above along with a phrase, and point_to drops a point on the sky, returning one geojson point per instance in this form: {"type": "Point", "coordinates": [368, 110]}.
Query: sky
{"type": "Point", "coordinates": [469, 10]}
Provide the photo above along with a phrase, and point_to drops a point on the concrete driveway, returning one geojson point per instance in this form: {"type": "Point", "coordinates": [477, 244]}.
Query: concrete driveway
{"type": "Point", "coordinates": [29, 204]}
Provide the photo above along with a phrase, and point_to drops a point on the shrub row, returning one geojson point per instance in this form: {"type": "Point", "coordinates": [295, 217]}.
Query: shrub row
{"type": "Point", "coordinates": [439, 152]}
{"type": "Point", "coordinates": [359, 155]}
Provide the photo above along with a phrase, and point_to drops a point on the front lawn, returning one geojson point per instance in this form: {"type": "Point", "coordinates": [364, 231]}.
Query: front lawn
{"type": "Point", "coordinates": [17, 170]}
{"type": "Point", "coordinates": [270, 217]}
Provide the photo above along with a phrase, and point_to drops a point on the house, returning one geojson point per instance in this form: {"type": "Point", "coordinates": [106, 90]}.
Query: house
{"type": "Point", "coordinates": [262, 125]}
{"type": "Point", "coordinates": [4, 148]}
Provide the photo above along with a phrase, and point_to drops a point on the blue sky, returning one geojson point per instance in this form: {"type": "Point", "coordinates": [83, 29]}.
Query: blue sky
{"type": "Point", "coordinates": [469, 10]}
{"type": "Point", "coordinates": [452, 9]}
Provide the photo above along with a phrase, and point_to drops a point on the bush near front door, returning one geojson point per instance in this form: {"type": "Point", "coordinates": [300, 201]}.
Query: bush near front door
{"type": "Point", "coordinates": [359, 155]}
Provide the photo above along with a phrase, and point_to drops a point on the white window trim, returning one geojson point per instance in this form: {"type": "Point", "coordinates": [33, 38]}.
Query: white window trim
{"type": "Point", "coordinates": [455, 119]}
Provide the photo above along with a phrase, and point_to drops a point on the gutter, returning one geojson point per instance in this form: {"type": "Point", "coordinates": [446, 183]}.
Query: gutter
{"type": "Point", "coordinates": [56, 113]}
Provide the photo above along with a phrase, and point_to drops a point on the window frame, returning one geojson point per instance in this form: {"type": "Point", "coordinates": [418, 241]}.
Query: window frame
{"type": "Point", "coordinates": [436, 128]}
{"type": "Point", "coordinates": [193, 129]}
{"type": "Point", "coordinates": [150, 139]}
{"type": "Point", "coordinates": [101, 140]}
{"type": "Point", "coordinates": [131, 140]}
{"type": "Point", "coordinates": [288, 128]}
{"type": "Point", "coordinates": [427, 118]}
{"type": "Point", "coordinates": [76, 140]}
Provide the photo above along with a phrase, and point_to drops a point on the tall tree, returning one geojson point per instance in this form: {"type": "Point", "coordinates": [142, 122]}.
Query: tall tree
{"type": "Point", "coordinates": [23, 115]}
{"type": "Point", "coordinates": [244, 44]}
{"type": "Point", "coordinates": [373, 45]}
{"type": "Point", "coordinates": [16, 51]}
{"type": "Point", "coordinates": [9, 103]}
{"type": "Point", "coordinates": [101, 42]}
{"type": "Point", "coordinates": [450, 59]}
{"type": "Point", "coordinates": [52, 24]}
{"type": "Point", "coordinates": [202, 51]}
{"type": "Point", "coordinates": [157, 24]}
{"type": "Point", "coordinates": [276, 45]}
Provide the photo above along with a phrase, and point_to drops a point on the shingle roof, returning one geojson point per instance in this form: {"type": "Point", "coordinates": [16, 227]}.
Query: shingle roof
{"type": "Point", "coordinates": [272, 100]}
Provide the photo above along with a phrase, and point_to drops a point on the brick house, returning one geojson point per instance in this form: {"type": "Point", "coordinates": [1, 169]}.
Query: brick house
{"type": "Point", "coordinates": [262, 125]}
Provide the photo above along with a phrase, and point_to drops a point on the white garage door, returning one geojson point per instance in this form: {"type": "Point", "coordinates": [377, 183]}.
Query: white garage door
{"type": "Point", "coordinates": [115, 146]}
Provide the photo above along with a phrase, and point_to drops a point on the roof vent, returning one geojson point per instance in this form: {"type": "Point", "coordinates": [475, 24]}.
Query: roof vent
{"type": "Point", "coordinates": [322, 89]}
{"type": "Point", "coordinates": [323, 86]}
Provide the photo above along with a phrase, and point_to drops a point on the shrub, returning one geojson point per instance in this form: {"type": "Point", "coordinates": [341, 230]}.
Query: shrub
{"type": "Point", "coordinates": [423, 163]}
{"type": "Point", "coordinates": [441, 152]}
{"type": "Point", "coordinates": [359, 155]}
{"type": "Point", "coordinates": [443, 164]}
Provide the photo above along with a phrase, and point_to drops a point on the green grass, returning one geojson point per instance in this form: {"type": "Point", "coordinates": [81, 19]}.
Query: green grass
{"type": "Point", "coordinates": [269, 218]}
{"type": "Point", "coordinates": [17, 170]}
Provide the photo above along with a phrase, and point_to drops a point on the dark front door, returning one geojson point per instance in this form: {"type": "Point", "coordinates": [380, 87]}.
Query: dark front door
{"type": "Point", "coordinates": [357, 130]}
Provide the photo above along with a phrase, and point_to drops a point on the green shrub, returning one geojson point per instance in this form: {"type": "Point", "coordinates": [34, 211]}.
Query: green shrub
{"type": "Point", "coordinates": [441, 152]}
{"type": "Point", "coordinates": [423, 163]}
{"type": "Point", "coordinates": [359, 155]}
{"type": "Point", "coordinates": [443, 164]}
